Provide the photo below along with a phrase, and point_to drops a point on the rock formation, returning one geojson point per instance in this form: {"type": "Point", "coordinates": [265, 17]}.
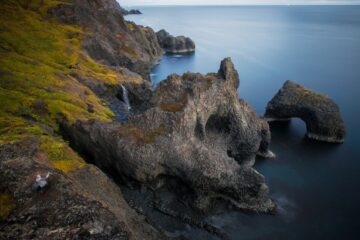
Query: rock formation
{"type": "Point", "coordinates": [197, 131]}
{"type": "Point", "coordinates": [318, 111]}
{"type": "Point", "coordinates": [129, 12]}
{"type": "Point", "coordinates": [112, 40]}
{"type": "Point", "coordinates": [171, 44]}
{"type": "Point", "coordinates": [134, 11]}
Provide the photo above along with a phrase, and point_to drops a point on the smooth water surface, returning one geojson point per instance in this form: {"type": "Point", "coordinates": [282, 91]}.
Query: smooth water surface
{"type": "Point", "coordinates": [316, 185]}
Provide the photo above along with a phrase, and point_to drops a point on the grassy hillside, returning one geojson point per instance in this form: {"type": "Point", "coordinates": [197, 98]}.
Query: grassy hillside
{"type": "Point", "coordinates": [38, 59]}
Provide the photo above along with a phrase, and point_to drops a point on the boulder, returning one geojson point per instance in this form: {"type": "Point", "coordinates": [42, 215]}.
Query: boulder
{"type": "Point", "coordinates": [197, 130]}
{"type": "Point", "coordinates": [171, 44]}
{"type": "Point", "coordinates": [320, 113]}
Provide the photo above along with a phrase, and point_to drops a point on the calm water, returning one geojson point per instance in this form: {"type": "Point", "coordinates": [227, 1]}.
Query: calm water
{"type": "Point", "coordinates": [316, 185]}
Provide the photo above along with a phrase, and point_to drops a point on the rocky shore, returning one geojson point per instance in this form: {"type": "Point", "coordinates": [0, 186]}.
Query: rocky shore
{"type": "Point", "coordinates": [89, 151]}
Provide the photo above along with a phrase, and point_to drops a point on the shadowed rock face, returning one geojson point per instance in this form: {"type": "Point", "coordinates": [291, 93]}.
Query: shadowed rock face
{"type": "Point", "coordinates": [319, 112]}
{"type": "Point", "coordinates": [112, 40]}
{"type": "Point", "coordinates": [197, 130]}
{"type": "Point", "coordinates": [171, 44]}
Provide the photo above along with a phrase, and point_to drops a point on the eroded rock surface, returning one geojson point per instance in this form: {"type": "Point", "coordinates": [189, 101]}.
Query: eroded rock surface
{"type": "Point", "coordinates": [197, 131]}
{"type": "Point", "coordinates": [320, 113]}
{"type": "Point", "coordinates": [171, 44]}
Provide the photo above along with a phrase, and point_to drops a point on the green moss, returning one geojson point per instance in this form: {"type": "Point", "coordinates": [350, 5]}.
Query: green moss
{"type": "Point", "coordinates": [7, 205]}
{"type": "Point", "coordinates": [38, 58]}
{"type": "Point", "coordinates": [60, 155]}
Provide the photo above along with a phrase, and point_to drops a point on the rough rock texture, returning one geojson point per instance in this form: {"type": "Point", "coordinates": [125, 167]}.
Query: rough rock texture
{"type": "Point", "coordinates": [171, 44]}
{"type": "Point", "coordinates": [198, 131]}
{"type": "Point", "coordinates": [112, 40]}
{"type": "Point", "coordinates": [84, 204]}
{"type": "Point", "coordinates": [318, 111]}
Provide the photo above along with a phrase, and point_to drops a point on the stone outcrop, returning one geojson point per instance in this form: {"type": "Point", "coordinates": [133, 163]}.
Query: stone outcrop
{"type": "Point", "coordinates": [171, 44]}
{"type": "Point", "coordinates": [197, 131]}
{"type": "Point", "coordinates": [112, 40]}
{"type": "Point", "coordinates": [320, 113]}
{"type": "Point", "coordinates": [82, 204]}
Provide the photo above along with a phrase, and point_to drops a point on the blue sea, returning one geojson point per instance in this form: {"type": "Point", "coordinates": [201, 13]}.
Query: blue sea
{"type": "Point", "coordinates": [315, 185]}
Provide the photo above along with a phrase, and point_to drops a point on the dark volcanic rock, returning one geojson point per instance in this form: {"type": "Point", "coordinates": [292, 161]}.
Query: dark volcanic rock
{"type": "Point", "coordinates": [318, 111]}
{"type": "Point", "coordinates": [171, 44]}
{"type": "Point", "coordinates": [113, 41]}
{"type": "Point", "coordinates": [197, 131]}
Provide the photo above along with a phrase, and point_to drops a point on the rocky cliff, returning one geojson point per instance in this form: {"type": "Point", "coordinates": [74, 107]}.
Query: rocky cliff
{"type": "Point", "coordinates": [48, 74]}
{"type": "Point", "coordinates": [110, 39]}
{"type": "Point", "coordinates": [64, 66]}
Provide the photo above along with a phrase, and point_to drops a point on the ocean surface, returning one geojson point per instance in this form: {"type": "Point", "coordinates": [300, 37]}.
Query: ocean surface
{"type": "Point", "coordinates": [315, 185]}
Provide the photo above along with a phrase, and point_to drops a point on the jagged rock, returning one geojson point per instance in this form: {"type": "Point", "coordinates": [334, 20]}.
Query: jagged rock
{"type": "Point", "coordinates": [197, 131]}
{"type": "Point", "coordinates": [171, 44]}
{"type": "Point", "coordinates": [83, 204]}
{"type": "Point", "coordinates": [318, 111]}
{"type": "Point", "coordinates": [113, 41]}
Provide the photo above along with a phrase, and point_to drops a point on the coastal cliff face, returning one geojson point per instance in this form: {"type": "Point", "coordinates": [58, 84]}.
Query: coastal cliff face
{"type": "Point", "coordinates": [110, 39]}
{"type": "Point", "coordinates": [47, 75]}
{"type": "Point", "coordinates": [64, 67]}
{"type": "Point", "coordinates": [198, 131]}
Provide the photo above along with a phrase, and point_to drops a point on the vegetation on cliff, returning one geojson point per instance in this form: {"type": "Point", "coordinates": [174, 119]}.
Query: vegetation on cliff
{"type": "Point", "coordinates": [41, 61]}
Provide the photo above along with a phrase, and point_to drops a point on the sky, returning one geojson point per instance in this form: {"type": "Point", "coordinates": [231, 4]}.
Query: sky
{"type": "Point", "coordinates": [231, 2]}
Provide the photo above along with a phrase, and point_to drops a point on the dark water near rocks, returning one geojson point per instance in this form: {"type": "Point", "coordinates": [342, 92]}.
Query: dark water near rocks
{"type": "Point", "coordinates": [316, 185]}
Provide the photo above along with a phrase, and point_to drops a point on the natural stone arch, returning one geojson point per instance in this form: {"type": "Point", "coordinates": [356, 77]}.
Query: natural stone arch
{"type": "Point", "coordinates": [320, 114]}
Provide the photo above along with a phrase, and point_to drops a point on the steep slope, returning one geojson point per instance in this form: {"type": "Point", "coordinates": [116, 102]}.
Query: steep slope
{"type": "Point", "coordinates": [112, 40]}
{"type": "Point", "coordinates": [43, 69]}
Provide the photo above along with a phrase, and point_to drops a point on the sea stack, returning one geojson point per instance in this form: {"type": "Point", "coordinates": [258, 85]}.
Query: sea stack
{"type": "Point", "coordinates": [171, 44]}
{"type": "Point", "coordinates": [320, 113]}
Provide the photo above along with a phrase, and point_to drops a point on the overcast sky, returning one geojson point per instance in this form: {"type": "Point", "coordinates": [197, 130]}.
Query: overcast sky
{"type": "Point", "coordinates": [230, 2]}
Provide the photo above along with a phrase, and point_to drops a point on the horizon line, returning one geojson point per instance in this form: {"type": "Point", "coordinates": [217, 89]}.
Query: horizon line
{"type": "Point", "coordinates": [244, 4]}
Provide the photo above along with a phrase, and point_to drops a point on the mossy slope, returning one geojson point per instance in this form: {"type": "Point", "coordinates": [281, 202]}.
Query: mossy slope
{"type": "Point", "coordinates": [38, 59]}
